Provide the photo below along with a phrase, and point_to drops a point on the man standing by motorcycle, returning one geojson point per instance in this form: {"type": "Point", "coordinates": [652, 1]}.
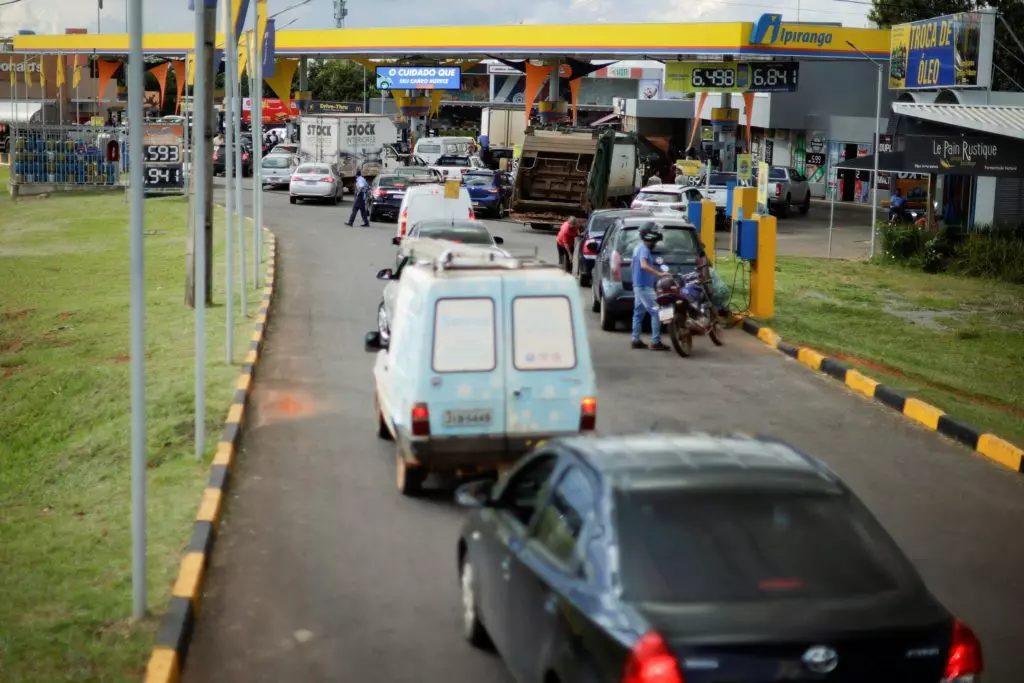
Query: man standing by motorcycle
{"type": "Point", "coordinates": [896, 206]}
{"type": "Point", "coordinates": [644, 300]}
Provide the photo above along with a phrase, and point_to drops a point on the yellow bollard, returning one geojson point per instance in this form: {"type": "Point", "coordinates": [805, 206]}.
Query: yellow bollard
{"type": "Point", "coordinates": [742, 198]}
{"type": "Point", "coordinates": [707, 227]}
{"type": "Point", "coordinates": [762, 271]}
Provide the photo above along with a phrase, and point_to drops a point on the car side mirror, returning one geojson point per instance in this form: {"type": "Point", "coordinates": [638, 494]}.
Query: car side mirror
{"type": "Point", "coordinates": [592, 245]}
{"type": "Point", "coordinates": [373, 342]}
{"type": "Point", "coordinates": [385, 273]}
{"type": "Point", "coordinates": [475, 494]}
{"type": "Point", "coordinates": [396, 240]}
{"type": "Point", "coordinates": [499, 240]}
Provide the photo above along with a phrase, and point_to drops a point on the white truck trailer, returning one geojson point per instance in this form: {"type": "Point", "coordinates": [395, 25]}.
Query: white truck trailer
{"type": "Point", "coordinates": [349, 141]}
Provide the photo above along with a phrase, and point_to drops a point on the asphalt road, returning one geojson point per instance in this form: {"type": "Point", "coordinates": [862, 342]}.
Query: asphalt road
{"type": "Point", "coordinates": [323, 572]}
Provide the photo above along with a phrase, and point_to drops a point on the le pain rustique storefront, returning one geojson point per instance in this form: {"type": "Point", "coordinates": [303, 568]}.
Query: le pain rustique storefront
{"type": "Point", "coordinates": [957, 159]}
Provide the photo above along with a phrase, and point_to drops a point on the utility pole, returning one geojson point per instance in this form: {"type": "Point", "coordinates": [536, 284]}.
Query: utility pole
{"type": "Point", "coordinates": [203, 144]}
{"type": "Point", "coordinates": [340, 12]}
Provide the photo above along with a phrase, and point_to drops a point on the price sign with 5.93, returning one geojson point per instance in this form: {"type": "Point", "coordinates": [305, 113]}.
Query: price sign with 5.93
{"type": "Point", "coordinates": [162, 154]}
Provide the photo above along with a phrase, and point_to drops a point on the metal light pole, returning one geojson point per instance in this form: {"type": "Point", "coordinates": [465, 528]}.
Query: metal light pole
{"type": "Point", "coordinates": [239, 196]}
{"type": "Point", "coordinates": [136, 86]}
{"type": "Point", "coordinates": [229, 171]}
{"type": "Point", "coordinates": [200, 161]}
{"type": "Point", "coordinates": [257, 136]}
{"type": "Point", "coordinates": [878, 118]}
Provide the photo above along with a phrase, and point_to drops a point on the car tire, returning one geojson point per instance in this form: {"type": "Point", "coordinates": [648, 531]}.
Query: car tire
{"type": "Point", "coordinates": [584, 278]}
{"type": "Point", "coordinates": [607, 321]}
{"type": "Point", "coordinates": [785, 208]}
{"type": "Point", "coordinates": [292, 200]}
{"type": "Point", "coordinates": [337, 198]}
{"type": "Point", "coordinates": [595, 303]}
{"type": "Point", "coordinates": [472, 628]}
{"type": "Point", "coordinates": [382, 426]}
{"type": "Point", "coordinates": [806, 205]}
{"type": "Point", "coordinates": [408, 478]}
{"type": "Point", "coordinates": [373, 216]}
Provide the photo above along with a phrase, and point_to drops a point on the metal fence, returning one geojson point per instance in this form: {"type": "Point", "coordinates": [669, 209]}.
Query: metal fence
{"type": "Point", "coordinates": [88, 156]}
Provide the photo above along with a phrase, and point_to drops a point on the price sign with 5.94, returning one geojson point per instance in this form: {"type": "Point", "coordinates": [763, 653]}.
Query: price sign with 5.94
{"type": "Point", "coordinates": [164, 177]}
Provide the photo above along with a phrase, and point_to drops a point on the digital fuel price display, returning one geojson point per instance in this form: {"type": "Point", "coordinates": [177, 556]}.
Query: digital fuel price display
{"type": "Point", "coordinates": [162, 152]}
{"type": "Point", "coordinates": [737, 77]}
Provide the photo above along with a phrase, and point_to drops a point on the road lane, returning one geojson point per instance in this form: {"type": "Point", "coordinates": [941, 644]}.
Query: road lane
{"type": "Point", "coordinates": [323, 572]}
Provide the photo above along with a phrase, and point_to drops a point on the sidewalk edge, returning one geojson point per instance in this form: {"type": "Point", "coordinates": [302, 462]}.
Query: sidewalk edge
{"type": "Point", "coordinates": [991, 446]}
{"type": "Point", "coordinates": [167, 659]}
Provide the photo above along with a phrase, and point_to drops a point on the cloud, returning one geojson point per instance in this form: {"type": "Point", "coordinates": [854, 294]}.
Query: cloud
{"type": "Point", "coordinates": [53, 16]}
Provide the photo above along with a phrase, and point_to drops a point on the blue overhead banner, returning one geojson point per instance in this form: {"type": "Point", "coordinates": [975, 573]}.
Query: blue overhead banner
{"type": "Point", "coordinates": [954, 51]}
{"type": "Point", "coordinates": [269, 47]}
{"type": "Point", "coordinates": [419, 78]}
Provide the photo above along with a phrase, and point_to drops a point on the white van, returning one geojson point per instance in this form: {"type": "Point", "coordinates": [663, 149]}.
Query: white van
{"type": "Point", "coordinates": [432, 149]}
{"type": "Point", "coordinates": [486, 356]}
{"type": "Point", "coordinates": [427, 202]}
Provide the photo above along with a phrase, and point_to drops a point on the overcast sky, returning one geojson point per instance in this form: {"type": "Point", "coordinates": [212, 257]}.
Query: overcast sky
{"type": "Point", "coordinates": [53, 16]}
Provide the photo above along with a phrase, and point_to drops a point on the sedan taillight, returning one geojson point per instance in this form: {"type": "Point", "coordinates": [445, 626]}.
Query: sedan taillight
{"type": "Point", "coordinates": [296, 178]}
{"type": "Point", "coordinates": [327, 179]}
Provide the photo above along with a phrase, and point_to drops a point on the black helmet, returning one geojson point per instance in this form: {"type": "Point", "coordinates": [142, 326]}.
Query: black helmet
{"type": "Point", "coordinates": [650, 233]}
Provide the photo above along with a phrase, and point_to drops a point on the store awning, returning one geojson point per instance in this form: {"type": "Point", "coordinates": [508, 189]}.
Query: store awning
{"type": "Point", "coordinates": [996, 119]}
{"type": "Point", "coordinates": [889, 162]}
{"type": "Point", "coordinates": [19, 112]}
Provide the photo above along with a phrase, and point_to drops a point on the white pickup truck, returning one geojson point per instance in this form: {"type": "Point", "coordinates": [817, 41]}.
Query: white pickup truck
{"type": "Point", "coordinates": [716, 189]}
{"type": "Point", "coordinates": [787, 188]}
{"type": "Point", "coordinates": [453, 167]}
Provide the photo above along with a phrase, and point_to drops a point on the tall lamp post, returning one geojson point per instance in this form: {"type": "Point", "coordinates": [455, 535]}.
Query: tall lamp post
{"type": "Point", "coordinates": [878, 118]}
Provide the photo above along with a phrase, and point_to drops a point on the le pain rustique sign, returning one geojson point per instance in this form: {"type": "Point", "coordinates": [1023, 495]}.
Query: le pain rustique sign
{"type": "Point", "coordinates": [967, 155]}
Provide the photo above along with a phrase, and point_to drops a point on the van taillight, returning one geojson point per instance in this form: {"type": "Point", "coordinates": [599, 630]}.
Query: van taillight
{"type": "Point", "coordinates": [651, 662]}
{"type": "Point", "coordinates": [616, 266]}
{"type": "Point", "coordinates": [472, 216]}
{"type": "Point", "coordinates": [588, 414]}
{"type": "Point", "coordinates": [964, 663]}
{"type": "Point", "coordinates": [405, 219]}
{"type": "Point", "coordinates": [420, 419]}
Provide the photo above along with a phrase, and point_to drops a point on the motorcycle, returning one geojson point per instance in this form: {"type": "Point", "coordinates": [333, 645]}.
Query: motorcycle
{"type": "Point", "coordinates": [685, 308]}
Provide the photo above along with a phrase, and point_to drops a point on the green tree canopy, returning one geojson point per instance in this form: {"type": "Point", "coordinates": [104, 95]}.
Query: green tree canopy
{"type": "Point", "coordinates": [338, 81]}
{"type": "Point", "coordinates": [1009, 58]}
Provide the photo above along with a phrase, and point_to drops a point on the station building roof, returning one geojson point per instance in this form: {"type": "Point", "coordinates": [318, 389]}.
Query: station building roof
{"type": "Point", "coordinates": [739, 40]}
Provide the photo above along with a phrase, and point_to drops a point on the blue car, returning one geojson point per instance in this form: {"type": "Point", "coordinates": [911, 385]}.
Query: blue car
{"type": "Point", "coordinates": [489, 192]}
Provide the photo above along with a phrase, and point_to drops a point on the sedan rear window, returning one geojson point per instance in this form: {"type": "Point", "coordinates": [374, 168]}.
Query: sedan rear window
{"type": "Point", "coordinates": [465, 235]}
{"type": "Point", "coordinates": [478, 180]}
{"type": "Point", "coordinates": [694, 547]}
{"type": "Point", "coordinates": [278, 161]}
{"type": "Point", "coordinates": [680, 244]}
{"type": "Point", "coordinates": [660, 197]}
{"type": "Point", "coordinates": [391, 181]}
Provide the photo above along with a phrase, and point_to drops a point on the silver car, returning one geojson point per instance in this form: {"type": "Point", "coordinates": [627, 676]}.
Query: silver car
{"type": "Point", "coordinates": [315, 181]}
{"type": "Point", "coordinates": [277, 169]}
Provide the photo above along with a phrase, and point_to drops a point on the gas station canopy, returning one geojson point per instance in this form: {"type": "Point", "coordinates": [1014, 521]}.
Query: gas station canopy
{"type": "Point", "coordinates": [769, 38]}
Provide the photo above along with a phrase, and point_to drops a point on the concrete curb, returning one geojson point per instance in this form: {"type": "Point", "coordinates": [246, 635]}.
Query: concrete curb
{"type": "Point", "coordinates": [167, 660]}
{"type": "Point", "coordinates": [989, 445]}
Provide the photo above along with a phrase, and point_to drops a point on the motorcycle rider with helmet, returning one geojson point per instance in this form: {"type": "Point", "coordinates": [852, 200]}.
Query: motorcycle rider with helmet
{"type": "Point", "coordinates": [645, 275]}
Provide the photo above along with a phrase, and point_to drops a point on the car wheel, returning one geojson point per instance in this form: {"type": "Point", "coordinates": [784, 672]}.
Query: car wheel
{"type": "Point", "coordinates": [784, 209]}
{"type": "Point", "coordinates": [806, 205]}
{"type": "Point", "coordinates": [408, 477]}
{"type": "Point", "coordinates": [292, 200]}
{"type": "Point", "coordinates": [373, 216]}
{"type": "Point", "coordinates": [595, 303]}
{"type": "Point", "coordinates": [584, 278]}
{"type": "Point", "coordinates": [472, 628]}
{"type": "Point", "coordinates": [607, 321]}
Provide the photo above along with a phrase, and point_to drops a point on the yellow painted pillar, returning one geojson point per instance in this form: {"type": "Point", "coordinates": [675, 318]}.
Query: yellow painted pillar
{"type": "Point", "coordinates": [742, 198]}
{"type": "Point", "coordinates": [762, 271]}
{"type": "Point", "coordinates": [707, 227]}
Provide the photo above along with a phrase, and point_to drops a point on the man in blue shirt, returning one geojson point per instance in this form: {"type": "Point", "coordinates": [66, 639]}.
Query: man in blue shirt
{"type": "Point", "coordinates": [644, 277]}
{"type": "Point", "coordinates": [896, 205]}
{"type": "Point", "coordinates": [362, 191]}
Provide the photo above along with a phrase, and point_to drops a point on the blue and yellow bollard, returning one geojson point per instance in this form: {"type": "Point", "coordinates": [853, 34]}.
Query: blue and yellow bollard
{"type": "Point", "coordinates": [762, 269]}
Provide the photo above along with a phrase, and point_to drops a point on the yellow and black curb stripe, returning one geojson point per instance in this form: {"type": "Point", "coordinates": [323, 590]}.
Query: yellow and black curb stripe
{"type": "Point", "coordinates": [172, 639]}
{"type": "Point", "coordinates": [989, 445]}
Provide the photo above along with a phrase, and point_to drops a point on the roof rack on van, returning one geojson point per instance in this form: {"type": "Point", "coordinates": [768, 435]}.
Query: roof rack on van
{"type": "Point", "coordinates": [490, 261]}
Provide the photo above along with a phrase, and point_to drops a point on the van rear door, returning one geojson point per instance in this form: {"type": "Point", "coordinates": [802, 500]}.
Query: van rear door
{"type": "Point", "coordinates": [548, 364]}
{"type": "Point", "coordinates": [464, 390]}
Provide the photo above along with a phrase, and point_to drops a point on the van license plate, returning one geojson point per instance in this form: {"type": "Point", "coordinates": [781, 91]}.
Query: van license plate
{"type": "Point", "coordinates": [666, 313]}
{"type": "Point", "coordinates": [466, 418]}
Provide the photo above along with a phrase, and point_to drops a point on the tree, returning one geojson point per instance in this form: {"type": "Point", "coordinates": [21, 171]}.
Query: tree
{"type": "Point", "coordinates": [339, 81]}
{"type": "Point", "coordinates": [1009, 58]}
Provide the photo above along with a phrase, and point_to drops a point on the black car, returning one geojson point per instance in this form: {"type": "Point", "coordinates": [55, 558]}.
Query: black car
{"type": "Point", "coordinates": [589, 241]}
{"type": "Point", "coordinates": [220, 159]}
{"type": "Point", "coordinates": [612, 275]}
{"type": "Point", "coordinates": [666, 558]}
{"type": "Point", "coordinates": [386, 195]}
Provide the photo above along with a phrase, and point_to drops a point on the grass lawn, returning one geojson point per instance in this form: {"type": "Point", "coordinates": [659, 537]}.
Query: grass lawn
{"type": "Point", "coordinates": [955, 342]}
{"type": "Point", "coordinates": [65, 591]}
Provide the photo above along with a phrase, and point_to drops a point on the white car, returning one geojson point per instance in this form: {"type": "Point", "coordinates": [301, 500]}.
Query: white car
{"type": "Point", "coordinates": [288, 148]}
{"type": "Point", "coordinates": [423, 202]}
{"type": "Point", "coordinates": [276, 170]}
{"type": "Point", "coordinates": [315, 181]}
{"type": "Point", "coordinates": [458, 231]}
{"type": "Point", "coordinates": [454, 167]}
{"type": "Point", "coordinates": [667, 200]}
